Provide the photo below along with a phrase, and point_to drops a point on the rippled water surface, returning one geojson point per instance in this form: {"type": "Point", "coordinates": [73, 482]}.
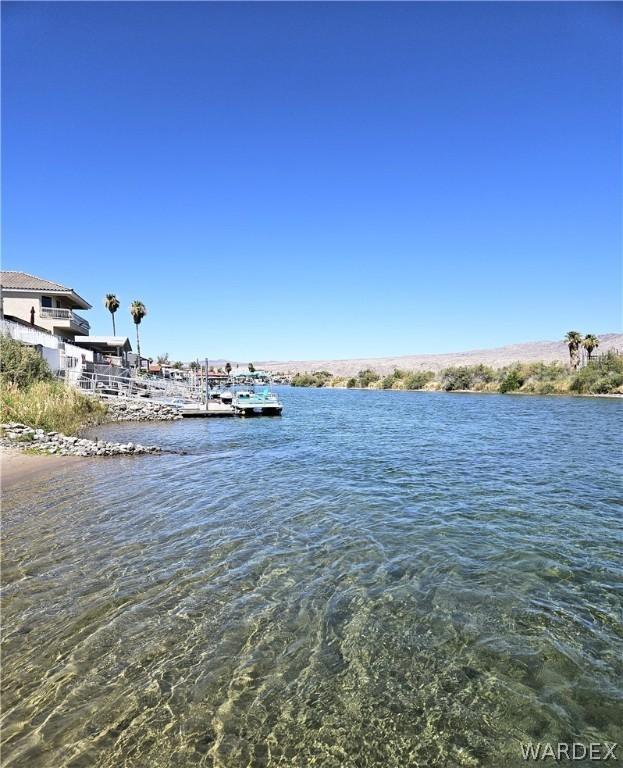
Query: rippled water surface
{"type": "Point", "coordinates": [374, 579]}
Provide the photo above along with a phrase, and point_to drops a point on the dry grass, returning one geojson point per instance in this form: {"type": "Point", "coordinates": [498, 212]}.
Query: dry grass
{"type": "Point", "coordinates": [50, 405]}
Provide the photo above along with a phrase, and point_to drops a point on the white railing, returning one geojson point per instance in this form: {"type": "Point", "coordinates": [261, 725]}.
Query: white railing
{"type": "Point", "coordinates": [64, 314]}
{"type": "Point", "coordinates": [127, 386]}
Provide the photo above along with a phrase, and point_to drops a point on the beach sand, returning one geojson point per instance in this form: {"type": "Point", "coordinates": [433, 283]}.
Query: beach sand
{"type": "Point", "coordinates": [17, 467]}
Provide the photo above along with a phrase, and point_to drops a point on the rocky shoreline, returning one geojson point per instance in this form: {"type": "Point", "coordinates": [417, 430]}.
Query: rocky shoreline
{"type": "Point", "coordinates": [29, 440]}
{"type": "Point", "coordinates": [25, 439]}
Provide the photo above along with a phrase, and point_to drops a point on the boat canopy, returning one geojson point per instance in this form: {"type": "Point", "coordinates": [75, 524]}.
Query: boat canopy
{"type": "Point", "coordinates": [251, 375]}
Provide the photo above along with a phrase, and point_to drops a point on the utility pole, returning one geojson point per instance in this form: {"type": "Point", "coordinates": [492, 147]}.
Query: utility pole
{"type": "Point", "coordinates": [207, 386]}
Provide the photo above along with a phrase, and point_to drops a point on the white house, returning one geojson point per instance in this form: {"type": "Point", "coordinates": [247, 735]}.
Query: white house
{"type": "Point", "coordinates": [40, 313]}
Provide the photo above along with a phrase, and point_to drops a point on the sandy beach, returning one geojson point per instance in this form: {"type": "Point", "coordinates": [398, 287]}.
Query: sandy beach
{"type": "Point", "coordinates": [17, 467]}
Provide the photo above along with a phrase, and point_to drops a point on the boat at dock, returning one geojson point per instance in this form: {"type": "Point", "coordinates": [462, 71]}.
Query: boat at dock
{"type": "Point", "coordinates": [234, 402]}
{"type": "Point", "coordinates": [248, 402]}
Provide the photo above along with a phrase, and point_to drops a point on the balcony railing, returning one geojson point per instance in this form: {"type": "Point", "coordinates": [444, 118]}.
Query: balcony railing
{"type": "Point", "coordinates": [65, 314]}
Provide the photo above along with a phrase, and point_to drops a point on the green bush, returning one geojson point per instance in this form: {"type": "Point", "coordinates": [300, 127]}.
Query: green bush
{"type": "Point", "coordinates": [390, 380]}
{"type": "Point", "coordinates": [512, 381]}
{"type": "Point", "coordinates": [21, 365]}
{"type": "Point", "coordinates": [418, 379]}
{"type": "Point", "coordinates": [544, 378]}
{"type": "Point", "coordinates": [316, 379]}
{"type": "Point", "coordinates": [466, 377]}
{"type": "Point", "coordinates": [456, 378]}
{"type": "Point", "coordinates": [602, 375]}
{"type": "Point", "coordinates": [367, 377]}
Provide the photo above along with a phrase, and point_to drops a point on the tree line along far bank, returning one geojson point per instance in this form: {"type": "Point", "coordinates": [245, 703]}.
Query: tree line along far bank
{"type": "Point", "coordinates": [585, 374]}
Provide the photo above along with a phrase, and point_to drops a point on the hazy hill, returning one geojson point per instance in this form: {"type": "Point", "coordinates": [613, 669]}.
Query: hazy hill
{"type": "Point", "coordinates": [530, 351]}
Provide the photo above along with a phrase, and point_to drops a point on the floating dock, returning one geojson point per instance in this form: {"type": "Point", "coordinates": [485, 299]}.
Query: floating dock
{"type": "Point", "coordinates": [246, 402]}
{"type": "Point", "coordinates": [214, 409]}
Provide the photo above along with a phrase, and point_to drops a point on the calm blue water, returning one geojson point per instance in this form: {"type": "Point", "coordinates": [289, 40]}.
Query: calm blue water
{"type": "Point", "coordinates": [374, 579]}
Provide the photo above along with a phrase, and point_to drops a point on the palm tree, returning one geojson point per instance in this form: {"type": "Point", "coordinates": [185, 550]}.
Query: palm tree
{"type": "Point", "coordinates": [228, 368]}
{"type": "Point", "coordinates": [590, 343]}
{"type": "Point", "coordinates": [573, 340]}
{"type": "Point", "coordinates": [112, 303]}
{"type": "Point", "coordinates": [138, 311]}
{"type": "Point", "coordinates": [251, 368]}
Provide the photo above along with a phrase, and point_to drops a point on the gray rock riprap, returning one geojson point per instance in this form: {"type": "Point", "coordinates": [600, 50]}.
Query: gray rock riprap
{"type": "Point", "coordinates": [16, 435]}
{"type": "Point", "coordinates": [141, 410]}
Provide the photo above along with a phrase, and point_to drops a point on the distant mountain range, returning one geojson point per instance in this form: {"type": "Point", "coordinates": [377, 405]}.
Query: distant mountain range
{"type": "Point", "coordinates": [531, 351]}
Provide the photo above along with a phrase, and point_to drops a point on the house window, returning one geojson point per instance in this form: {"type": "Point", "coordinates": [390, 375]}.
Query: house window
{"type": "Point", "coordinates": [46, 301]}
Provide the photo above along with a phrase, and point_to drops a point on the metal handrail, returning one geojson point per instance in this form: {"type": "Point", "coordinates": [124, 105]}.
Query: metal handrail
{"type": "Point", "coordinates": [93, 382]}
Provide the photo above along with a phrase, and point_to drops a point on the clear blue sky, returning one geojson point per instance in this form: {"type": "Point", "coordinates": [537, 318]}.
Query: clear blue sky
{"type": "Point", "coordinates": [298, 180]}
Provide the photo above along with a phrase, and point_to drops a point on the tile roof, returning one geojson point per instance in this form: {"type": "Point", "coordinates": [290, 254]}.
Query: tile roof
{"type": "Point", "coordinates": [22, 281]}
{"type": "Point", "coordinates": [29, 282]}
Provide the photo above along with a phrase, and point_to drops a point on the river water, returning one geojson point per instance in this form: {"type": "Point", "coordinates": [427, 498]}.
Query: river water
{"type": "Point", "coordinates": [374, 579]}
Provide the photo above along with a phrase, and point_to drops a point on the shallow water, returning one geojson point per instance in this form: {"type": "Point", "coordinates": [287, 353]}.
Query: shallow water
{"type": "Point", "coordinates": [373, 579]}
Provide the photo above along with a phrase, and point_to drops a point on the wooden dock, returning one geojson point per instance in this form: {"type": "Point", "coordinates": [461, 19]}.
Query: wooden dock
{"type": "Point", "coordinates": [213, 409]}
{"type": "Point", "coordinates": [216, 409]}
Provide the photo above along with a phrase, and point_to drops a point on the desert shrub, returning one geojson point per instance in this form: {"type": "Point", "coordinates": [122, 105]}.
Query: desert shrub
{"type": "Point", "coordinates": [367, 377]}
{"type": "Point", "coordinates": [544, 378]}
{"type": "Point", "coordinates": [391, 380]}
{"type": "Point", "coordinates": [21, 365]}
{"type": "Point", "coordinates": [544, 388]}
{"type": "Point", "coordinates": [602, 375]}
{"type": "Point", "coordinates": [351, 383]}
{"type": "Point", "coordinates": [466, 377]}
{"type": "Point", "coordinates": [417, 379]}
{"type": "Point", "coordinates": [315, 379]}
{"type": "Point", "coordinates": [456, 378]}
{"type": "Point", "coordinates": [512, 380]}
{"type": "Point", "coordinates": [301, 380]}
{"type": "Point", "coordinates": [388, 381]}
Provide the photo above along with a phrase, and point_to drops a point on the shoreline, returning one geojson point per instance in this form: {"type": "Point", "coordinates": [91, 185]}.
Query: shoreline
{"type": "Point", "coordinates": [17, 466]}
{"type": "Point", "coordinates": [615, 395]}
